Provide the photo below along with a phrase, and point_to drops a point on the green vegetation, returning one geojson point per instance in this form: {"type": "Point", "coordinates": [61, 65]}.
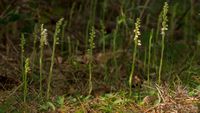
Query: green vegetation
{"type": "Point", "coordinates": [137, 42]}
{"type": "Point", "coordinates": [55, 41]}
{"type": "Point", "coordinates": [90, 53]}
{"type": "Point", "coordinates": [104, 56]}
{"type": "Point", "coordinates": [27, 69]}
{"type": "Point", "coordinates": [163, 29]}
{"type": "Point", "coordinates": [149, 55]}
{"type": "Point", "coordinates": [43, 40]}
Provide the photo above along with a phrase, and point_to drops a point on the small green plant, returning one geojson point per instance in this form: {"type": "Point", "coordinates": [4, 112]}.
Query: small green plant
{"type": "Point", "coordinates": [26, 70]}
{"type": "Point", "coordinates": [43, 40]}
{"type": "Point", "coordinates": [90, 53]}
{"type": "Point", "coordinates": [60, 101]}
{"type": "Point", "coordinates": [149, 55]}
{"type": "Point", "coordinates": [115, 45]}
{"type": "Point", "coordinates": [47, 106]}
{"type": "Point", "coordinates": [163, 29]}
{"type": "Point", "coordinates": [55, 42]}
{"type": "Point", "coordinates": [137, 42]}
{"type": "Point", "coordinates": [91, 19]}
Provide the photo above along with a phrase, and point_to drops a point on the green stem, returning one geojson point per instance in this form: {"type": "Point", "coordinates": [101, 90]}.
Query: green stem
{"type": "Point", "coordinates": [132, 69]}
{"type": "Point", "coordinates": [161, 59]}
{"type": "Point", "coordinates": [90, 75]}
{"type": "Point", "coordinates": [25, 86]}
{"type": "Point", "coordinates": [55, 41]}
{"type": "Point", "coordinates": [51, 67]}
{"type": "Point", "coordinates": [41, 66]}
{"type": "Point", "coordinates": [149, 56]}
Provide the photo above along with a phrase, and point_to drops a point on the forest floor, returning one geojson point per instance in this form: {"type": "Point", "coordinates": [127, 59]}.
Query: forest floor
{"type": "Point", "coordinates": [119, 29]}
{"type": "Point", "coordinates": [69, 95]}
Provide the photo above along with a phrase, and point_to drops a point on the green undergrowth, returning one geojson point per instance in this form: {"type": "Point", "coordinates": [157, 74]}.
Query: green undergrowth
{"type": "Point", "coordinates": [142, 100]}
{"type": "Point", "coordinates": [128, 57]}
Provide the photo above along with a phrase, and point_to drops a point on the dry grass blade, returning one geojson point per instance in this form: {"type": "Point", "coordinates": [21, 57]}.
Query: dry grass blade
{"type": "Point", "coordinates": [175, 102]}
